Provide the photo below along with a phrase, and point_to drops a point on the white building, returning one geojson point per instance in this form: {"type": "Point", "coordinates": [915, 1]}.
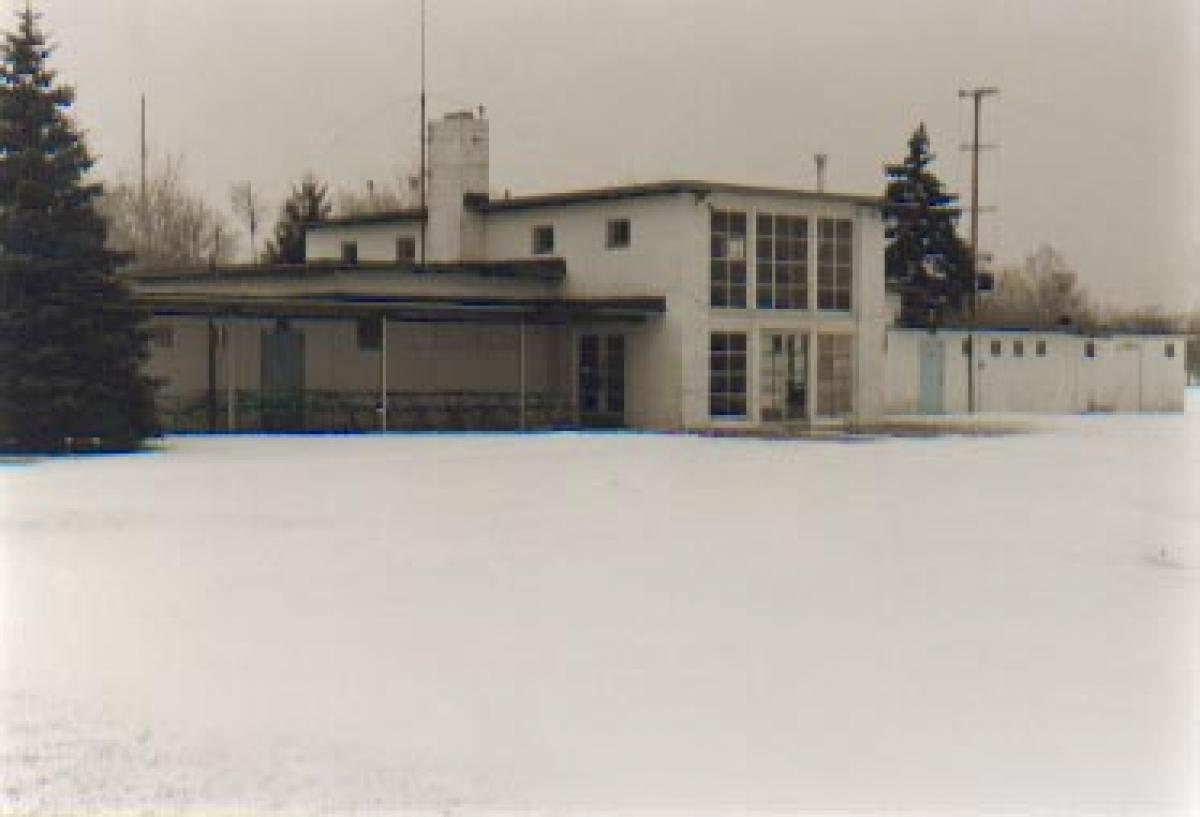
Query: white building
{"type": "Point", "coordinates": [1033, 371]}
{"type": "Point", "coordinates": [670, 305]}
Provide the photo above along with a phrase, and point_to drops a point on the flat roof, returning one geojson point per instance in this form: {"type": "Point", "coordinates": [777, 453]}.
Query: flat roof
{"type": "Point", "coordinates": [597, 194]}
{"type": "Point", "coordinates": [547, 268]}
{"type": "Point", "coordinates": [664, 188]}
{"type": "Point", "coordinates": [380, 217]}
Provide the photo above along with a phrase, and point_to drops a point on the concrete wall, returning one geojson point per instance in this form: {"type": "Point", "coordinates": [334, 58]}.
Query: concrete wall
{"type": "Point", "coordinates": [668, 376]}
{"type": "Point", "coordinates": [1129, 373]}
{"type": "Point", "coordinates": [421, 358]}
{"type": "Point", "coordinates": [864, 322]}
{"type": "Point", "coordinates": [458, 166]}
{"type": "Point", "coordinates": [666, 254]}
{"type": "Point", "coordinates": [376, 242]}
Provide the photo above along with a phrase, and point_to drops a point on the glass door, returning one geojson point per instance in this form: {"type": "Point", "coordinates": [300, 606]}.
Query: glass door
{"type": "Point", "coordinates": [784, 376]}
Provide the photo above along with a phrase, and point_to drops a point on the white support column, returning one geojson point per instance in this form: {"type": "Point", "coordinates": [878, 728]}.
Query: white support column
{"type": "Point", "coordinates": [522, 368]}
{"type": "Point", "coordinates": [383, 385]}
{"type": "Point", "coordinates": [230, 376]}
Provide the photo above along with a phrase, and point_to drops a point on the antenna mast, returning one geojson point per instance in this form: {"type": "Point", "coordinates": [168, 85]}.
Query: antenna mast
{"type": "Point", "coordinates": [976, 94]}
{"type": "Point", "coordinates": [424, 212]}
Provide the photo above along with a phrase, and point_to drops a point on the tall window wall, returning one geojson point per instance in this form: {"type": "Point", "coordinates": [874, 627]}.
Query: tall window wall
{"type": "Point", "coordinates": [835, 375]}
{"type": "Point", "coordinates": [727, 281]}
{"type": "Point", "coordinates": [781, 261]}
{"type": "Point", "coordinates": [834, 263]}
{"type": "Point", "coordinates": [727, 374]}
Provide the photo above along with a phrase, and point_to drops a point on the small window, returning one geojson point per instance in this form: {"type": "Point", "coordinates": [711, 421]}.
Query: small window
{"type": "Point", "coordinates": [162, 337]}
{"type": "Point", "coordinates": [1169, 350]}
{"type": "Point", "coordinates": [995, 348]}
{"type": "Point", "coordinates": [1040, 348]}
{"type": "Point", "coordinates": [349, 252]}
{"type": "Point", "coordinates": [370, 333]}
{"type": "Point", "coordinates": [543, 239]}
{"type": "Point", "coordinates": [617, 234]}
{"type": "Point", "coordinates": [406, 248]}
{"type": "Point", "coordinates": [966, 346]}
{"type": "Point", "coordinates": [1018, 348]}
{"type": "Point", "coordinates": [1089, 349]}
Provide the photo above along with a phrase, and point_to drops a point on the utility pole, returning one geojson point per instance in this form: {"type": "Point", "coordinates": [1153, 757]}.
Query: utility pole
{"type": "Point", "coordinates": [143, 153]}
{"type": "Point", "coordinates": [143, 203]}
{"type": "Point", "coordinates": [424, 213]}
{"type": "Point", "coordinates": [976, 94]}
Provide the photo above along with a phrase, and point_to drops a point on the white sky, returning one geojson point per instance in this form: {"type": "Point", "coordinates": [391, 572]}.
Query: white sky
{"type": "Point", "coordinates": [1098, 120]}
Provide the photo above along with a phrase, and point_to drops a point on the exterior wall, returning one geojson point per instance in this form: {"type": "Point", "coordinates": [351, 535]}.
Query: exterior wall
{"type": "Point", "coordinates": [458, 166]}
{"type": "Point", "coordinates": [182, 366]}
{"type": "Point", "coordinates": [864, 321]}
{"type": "Point", "coordinates": [376, 242]}
{"type": "Point", "coordinates": [665, 249]}
{"type": "Point", "coordinates": [422, 358]}
{"type": "Point", "coordinates": [1129, 373]}
{"type": "Point", "coordinates": [668, 378]}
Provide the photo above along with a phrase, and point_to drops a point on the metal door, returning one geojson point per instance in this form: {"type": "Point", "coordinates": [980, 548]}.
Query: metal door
{"type": "Point", "coordinates": [933, 360]}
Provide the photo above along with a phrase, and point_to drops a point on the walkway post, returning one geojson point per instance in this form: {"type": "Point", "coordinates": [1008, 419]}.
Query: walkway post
{"type": "Point", "coordinates": [522, 369]}
{"type": "Point", "coordinates": [231, 377]}
{"type": "Point", "coordinates": [383, 385]}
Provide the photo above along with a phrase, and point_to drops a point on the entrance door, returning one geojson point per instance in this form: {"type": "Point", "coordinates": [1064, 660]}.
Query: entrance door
{"type": "Point", "coordinates": [784, 380]}
{"type": "Point", "coordinates": [933, 359]}
{"type": "Point", "coordinates": [601, 381]}
{"type": "Point", "coordinates": [282, 369]}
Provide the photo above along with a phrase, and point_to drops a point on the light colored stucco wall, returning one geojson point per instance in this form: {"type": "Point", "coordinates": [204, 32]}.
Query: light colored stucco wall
{"type": "Point", "coordinates": [1129, 373]}
{"type": "Point", "coordinates": [376, 242]}
{"type": "Point", "coordinates": [864, 321]}
{"type": "Point", "coordinates": [668, 241]}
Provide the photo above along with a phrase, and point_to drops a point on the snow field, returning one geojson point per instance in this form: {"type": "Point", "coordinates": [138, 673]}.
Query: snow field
{"type": "Point", "coordinates": [594, 623]}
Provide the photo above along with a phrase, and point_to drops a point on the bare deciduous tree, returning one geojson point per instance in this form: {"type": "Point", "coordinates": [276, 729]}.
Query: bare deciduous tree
{"type": "Point", "coordinates": [1044, 292]}
{"type": "Point", "coordinates": [170, 225]}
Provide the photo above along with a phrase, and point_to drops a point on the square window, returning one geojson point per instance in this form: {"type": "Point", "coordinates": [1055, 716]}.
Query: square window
{"type": "Point", "coordinates": [543, 239]}
{"type": "Point", "coordinates": [1169, 350]}
{"type": "Point", "coordinates": [370, 333]}
{"type": "Point", "coordinates": [1089, 349]}
{"type": "Point", "coordinates": [406, 248]}
{"type": "Point", "coordinates": [617, 233]}
{"type": "Point", "coordinates": [1018, 348]}
{"type": "Point", "coordinates": [995, 348]}
{"type": "Point", "coordinates": [966, 346]}
{"type": "Point", "coordinates": [349, 252]}
{"type": "Point", "coordinates": [1040, 348]}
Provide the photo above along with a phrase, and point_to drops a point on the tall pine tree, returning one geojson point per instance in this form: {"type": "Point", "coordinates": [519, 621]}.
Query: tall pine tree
{"type": "Point", "coordinates": [925, 259]}
{"type": "Point", "coordinates": [306, 204]}
{"type": "Point", "coordinates": [71, 342]}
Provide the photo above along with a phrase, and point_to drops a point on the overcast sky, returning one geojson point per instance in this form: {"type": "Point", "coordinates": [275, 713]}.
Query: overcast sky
{"type": "Point", "coordinates": [1098, 121]}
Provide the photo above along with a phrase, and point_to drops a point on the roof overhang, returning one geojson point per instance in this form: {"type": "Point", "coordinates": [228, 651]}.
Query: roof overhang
{"type": "Point", "coordinates": [452, 308]}
{"type": "Point", "coordinates": [536, 269]}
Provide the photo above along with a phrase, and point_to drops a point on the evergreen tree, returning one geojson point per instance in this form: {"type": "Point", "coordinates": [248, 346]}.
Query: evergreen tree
{"type": "Point", "coordinates": [925, 259]}
{"type": "Point", "coordinates": [71, 346]}
{"type": "Point", "coordinates": [305, 205]}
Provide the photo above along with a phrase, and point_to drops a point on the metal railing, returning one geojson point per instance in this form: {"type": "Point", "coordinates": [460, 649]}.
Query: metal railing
{"type": "Point", "coordinates": [359, 412]}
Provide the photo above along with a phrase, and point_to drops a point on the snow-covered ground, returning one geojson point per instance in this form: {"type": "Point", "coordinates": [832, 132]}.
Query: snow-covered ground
{"type": "Point", "coordinates": [577, 624]}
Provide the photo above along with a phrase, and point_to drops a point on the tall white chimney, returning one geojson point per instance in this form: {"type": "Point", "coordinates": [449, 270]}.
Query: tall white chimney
{"type": "Point", "coordinates": [458, 169]}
